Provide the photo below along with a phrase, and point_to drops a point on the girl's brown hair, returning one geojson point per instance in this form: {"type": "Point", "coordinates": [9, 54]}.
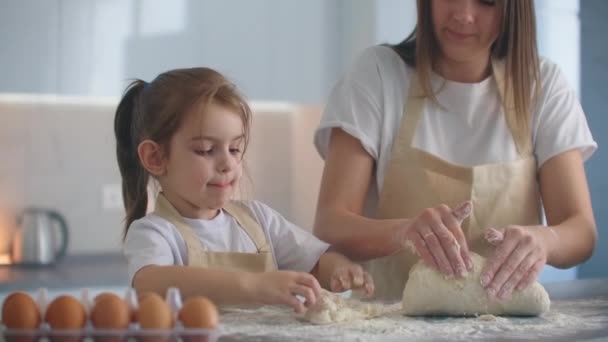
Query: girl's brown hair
{"type": "Point", "coordinates": [515, 46]}
{"type": "Point", "coordinates": [155, 111]}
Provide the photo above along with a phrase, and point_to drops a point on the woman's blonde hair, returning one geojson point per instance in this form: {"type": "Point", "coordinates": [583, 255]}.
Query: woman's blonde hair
{"type": "Point", "coordinates": [515, 46]}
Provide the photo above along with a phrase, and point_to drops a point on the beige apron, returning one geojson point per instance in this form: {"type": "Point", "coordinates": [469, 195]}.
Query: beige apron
{"type": "Point", "coordinates": [502, 194]}
{"type": "Point", "coordinates": [198, 255]}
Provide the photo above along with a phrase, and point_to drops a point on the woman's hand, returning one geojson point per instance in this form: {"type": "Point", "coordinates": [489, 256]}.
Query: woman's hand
{"type": "Point", "coordinates": [351, 277]}
{"type": "Point", "coordinates": [282, 287]}
{"type": "Point", "coordinates": [438, 239]}
{"type": "Point", "coordinates": [520, 255]}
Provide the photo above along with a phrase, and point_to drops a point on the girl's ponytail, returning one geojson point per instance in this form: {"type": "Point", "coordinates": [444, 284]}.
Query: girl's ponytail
{"type": "Point", "coordinates": [134, 176]}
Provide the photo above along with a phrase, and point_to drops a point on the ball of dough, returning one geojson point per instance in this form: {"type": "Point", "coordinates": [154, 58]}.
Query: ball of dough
{"type": "Point", "coordinates": [430, 293]}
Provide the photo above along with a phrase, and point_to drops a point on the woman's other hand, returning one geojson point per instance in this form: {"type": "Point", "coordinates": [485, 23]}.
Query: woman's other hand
{"type": "Point", "coordinates": [520, 255]}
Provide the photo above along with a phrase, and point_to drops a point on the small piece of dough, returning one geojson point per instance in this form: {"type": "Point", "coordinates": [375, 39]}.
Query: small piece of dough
{"type": "Point", "coordinates": [332, 308]}
{"type": "Point", "coordinates": [429, 293]}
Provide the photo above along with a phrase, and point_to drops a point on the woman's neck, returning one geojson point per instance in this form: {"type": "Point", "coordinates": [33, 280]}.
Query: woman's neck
{"type": "Point", "coordinates": [471, 71]}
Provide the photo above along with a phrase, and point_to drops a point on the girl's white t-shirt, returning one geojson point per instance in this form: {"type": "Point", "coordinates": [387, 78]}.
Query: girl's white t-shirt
{"type": "Point", "coordinates": [152, 240]}
{"type": "Point", "coordinates": [468, 129]}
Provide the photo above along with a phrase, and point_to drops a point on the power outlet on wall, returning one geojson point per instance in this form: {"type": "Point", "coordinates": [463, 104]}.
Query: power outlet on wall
{"type": "Point", "coordinates": [111, 197]}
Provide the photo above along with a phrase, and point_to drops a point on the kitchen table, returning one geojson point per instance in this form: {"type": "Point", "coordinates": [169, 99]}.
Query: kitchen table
{"type": "Point", "coordinates": [579, 311]}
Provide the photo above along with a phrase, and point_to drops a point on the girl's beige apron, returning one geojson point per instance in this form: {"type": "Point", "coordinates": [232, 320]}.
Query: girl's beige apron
{"type": "Point", "coordinates": [502, 194]}
{"type": "Point", "coordinates": [198, 255]}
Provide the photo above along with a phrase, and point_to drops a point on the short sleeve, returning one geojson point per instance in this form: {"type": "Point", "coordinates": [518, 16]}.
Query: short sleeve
{"type": "Point", "coordinates": [560, 124]}
{"type": "Point", "coordinates": [355, 106]}
{"type": "Point", "coordinates": [146, 245]}
{"type": "Point", "coordinates": [294, 248]}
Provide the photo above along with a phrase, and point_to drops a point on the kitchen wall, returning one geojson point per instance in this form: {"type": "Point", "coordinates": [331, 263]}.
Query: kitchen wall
{"type": "Point", "coordinates": [287, 50]}
{"type": "Point", "coordinates": [558, 30]}
{"type": "Point", "coordinates": [61, 150]}
{"type": "Point", "coordinates": [274, 49]}
{"type": "Point", "coordinates": [594, 81]}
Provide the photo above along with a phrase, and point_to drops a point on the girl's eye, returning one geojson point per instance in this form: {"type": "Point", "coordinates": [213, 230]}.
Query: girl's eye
{"type": "Point", "coordinates": [488, 2]}
{"type": "Point", "coordinates": [203, 152]}
{"type": "Point", "coordinates": [235, 151]}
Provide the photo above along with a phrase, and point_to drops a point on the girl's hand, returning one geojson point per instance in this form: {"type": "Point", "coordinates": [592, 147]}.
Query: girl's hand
{"type": "Point", "coordinates": [351, 277]}
{"type": "Point", "coordinates": [438, 239]}
{"type": "Point", "coordinates": [520, 255]}
{"type": "Point", "coordinates": [282, 287]}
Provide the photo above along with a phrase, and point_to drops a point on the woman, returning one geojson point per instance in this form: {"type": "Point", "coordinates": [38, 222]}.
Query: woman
{"type": "Point", "coordinates": [460, 118]}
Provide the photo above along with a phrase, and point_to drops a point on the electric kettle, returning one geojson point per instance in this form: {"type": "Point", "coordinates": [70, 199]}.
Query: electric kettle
{"type": "Point", "coordinates": [41, 238]}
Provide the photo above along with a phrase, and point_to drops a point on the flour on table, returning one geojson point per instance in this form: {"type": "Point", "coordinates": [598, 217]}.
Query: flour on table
{"type": "Point", "coordinates": [566, 320]}
{"type": "Point", "coordinates": [428, 292]}
{"type": "Point", "coordinates": [332, 308]}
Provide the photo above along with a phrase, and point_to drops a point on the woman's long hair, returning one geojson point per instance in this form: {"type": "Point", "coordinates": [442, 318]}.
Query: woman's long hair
{"type": "Point", "coordinates": [516, 46]}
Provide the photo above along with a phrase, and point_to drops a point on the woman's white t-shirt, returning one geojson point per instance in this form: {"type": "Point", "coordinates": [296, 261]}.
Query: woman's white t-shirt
{"type": "Point", "coordinates": [468, 129]}
{"type": "Point", "coordinates": [152, 240]}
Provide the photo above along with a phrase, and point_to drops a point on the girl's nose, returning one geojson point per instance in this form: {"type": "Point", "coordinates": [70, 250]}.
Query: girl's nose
{"type": "Point", "coordinates": [225, 163]}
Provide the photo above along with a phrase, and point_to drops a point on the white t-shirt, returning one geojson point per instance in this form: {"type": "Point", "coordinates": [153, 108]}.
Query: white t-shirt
{"type": "Point", "coordinates": [470, 129]}
{"type": "Point", "coordinates": [152, 240]}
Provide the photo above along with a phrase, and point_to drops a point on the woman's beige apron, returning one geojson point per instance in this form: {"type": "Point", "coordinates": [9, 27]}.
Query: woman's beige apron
{"type": "Point", "coordinates": [198, 255]}
{"type": "Point", "coordinates": [502, 194]}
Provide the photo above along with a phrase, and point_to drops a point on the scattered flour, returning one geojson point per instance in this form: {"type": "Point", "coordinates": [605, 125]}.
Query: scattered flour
{"type": "Point", "coordinates": [332, 308]}
{"type": "Point", "coordinates": [566, 318]}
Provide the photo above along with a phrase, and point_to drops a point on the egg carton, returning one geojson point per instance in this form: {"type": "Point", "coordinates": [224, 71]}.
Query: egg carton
{"type": "Point", "coordinates": [44, 333]}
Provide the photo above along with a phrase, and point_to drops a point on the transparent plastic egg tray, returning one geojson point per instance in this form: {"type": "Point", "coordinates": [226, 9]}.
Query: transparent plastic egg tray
{"type": "Point", "coordinates": [89, 333]}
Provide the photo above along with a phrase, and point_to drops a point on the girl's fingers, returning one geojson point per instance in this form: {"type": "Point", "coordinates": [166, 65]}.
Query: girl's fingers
{"type": "Point", "coordinates": [293, 302]}
{"type": "Point", "coordinates": [335, 285]}
{"type": "Point", "coordinates": [306, 292]}
{"type": "Point", "coordinates": [309, 280]}
{"type": "Point", "coordinates": [369, 284]}
{"type": "Point", "coordinates": [356, 273]}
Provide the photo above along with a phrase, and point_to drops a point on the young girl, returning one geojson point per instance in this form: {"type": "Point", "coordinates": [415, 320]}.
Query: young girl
{"type": "Point", "coordinates": [188, 129]}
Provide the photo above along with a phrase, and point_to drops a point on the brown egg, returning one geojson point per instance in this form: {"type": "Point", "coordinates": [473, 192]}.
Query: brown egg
{"type": "Point", "coordinates": [154, 313]}
{"type": "Point", "coordinates": [199, 312]}
{"type": "Point", "coordinates": [143, 295]}
{"type": "Point", "coordinates": [104, 295]}
{"type": "Point", "coordinates": [140, 298]}
{"type": "Point", "coordinates": [65, 312]}
{"type": "Point", "coordinates": [20, 311]}
{"type": "Point", "coordinates": [110, 312]}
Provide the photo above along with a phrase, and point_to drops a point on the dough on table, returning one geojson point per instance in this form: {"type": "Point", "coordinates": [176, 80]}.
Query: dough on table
{"type": "Point", "coordinates": [332, 308]}
{"type": "Point", "coordinates": [430, 293]}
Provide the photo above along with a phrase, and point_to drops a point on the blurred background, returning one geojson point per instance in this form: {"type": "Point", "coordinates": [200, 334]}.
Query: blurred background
{"type": "Point", "coordinates": [64, 64]}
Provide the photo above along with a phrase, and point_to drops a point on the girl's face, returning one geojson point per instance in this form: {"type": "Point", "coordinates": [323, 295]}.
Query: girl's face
{"type": "Point", "coordinates": [465, 29]}
{"type": "Point", "coordinates": [204, 164]}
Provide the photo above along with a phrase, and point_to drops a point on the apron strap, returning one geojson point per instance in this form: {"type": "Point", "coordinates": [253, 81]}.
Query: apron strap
{"type": "Point", "coordinates": [246, 220]}
{"type": "Point", "coordinates": [413, 112]}
{"type": "Point", "coordinates": [240, 212]}
{"type": "Point", "coordinates": [166, 210]}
